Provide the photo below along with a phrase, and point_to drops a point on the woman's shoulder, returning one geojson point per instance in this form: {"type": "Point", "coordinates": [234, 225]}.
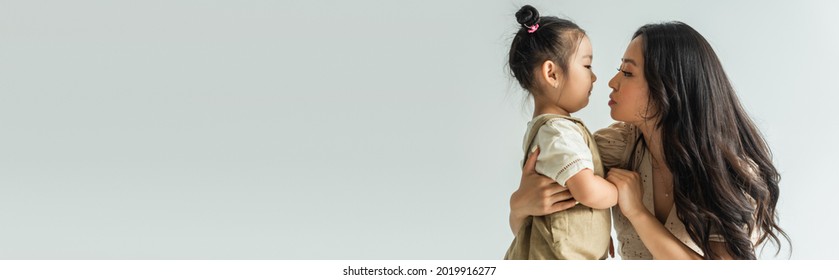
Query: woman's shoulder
{"type": "Point", "coordinates": [613, 141]}
{"type": "Point", "coordinates": [618, 133]}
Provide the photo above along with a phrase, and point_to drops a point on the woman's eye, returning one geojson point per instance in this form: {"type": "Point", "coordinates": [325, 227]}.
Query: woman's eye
{"type": "Point", "coordinates": [588, 67]}
{"type": "Point", "coordinates": [625, 74]}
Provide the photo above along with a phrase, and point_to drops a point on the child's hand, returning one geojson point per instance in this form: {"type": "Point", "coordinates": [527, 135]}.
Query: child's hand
{"type": "Point", "coordinates": [630, 192]}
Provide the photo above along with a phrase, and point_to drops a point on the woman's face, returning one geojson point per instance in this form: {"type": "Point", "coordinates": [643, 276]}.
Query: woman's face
{"type": "Point", "coordinates": [630, 93]}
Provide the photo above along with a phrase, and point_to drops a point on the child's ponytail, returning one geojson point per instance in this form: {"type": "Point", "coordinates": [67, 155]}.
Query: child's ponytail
{"type": "Point", "coordinates": [528, 17]}
{"type": "Point", "coordinates": [540, 39]}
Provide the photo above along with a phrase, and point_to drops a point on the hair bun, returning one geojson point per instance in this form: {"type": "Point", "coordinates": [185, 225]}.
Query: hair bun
{"type": "Point", "coordinates": [527, 16]}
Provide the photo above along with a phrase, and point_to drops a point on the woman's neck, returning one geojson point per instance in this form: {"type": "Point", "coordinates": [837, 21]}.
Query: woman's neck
{"type": "Point", "coordinates": [652, 135]}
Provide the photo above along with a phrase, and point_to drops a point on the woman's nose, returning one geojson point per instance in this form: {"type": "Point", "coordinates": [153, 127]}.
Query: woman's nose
{"type": "Point", "coordinates": [613, 83]}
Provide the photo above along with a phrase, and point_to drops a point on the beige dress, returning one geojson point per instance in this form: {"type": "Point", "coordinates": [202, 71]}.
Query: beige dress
{"type": "Point", "coordinates": [615, 145]}
{"type": "Point", "coordinates": [579, 233]}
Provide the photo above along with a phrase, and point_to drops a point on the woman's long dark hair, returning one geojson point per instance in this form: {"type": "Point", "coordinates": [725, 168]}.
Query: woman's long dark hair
{"type": "Point", "coordinates": [723, 177]}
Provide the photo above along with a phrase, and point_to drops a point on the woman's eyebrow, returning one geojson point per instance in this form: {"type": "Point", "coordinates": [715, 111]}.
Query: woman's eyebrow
{"type": "Point", "coordinates": [629, 60]}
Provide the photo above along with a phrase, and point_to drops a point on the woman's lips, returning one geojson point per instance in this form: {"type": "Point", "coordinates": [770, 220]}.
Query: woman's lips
{"type": "Point", "coordinates": [612, 102]}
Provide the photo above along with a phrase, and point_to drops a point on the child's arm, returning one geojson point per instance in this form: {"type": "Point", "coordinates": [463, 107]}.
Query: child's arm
{"type": "Point", "coordinates": [592, 190]}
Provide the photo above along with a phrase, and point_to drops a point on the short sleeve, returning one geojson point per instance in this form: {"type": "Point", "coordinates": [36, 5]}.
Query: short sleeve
{"type": "Point", "coordinates": [612, 143]}
{"type": "Point", "coordinates": [563, 151]}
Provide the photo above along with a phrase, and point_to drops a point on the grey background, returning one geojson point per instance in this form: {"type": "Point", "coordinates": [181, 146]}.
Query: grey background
{"type": "Point", "coordinates": [342, 129]}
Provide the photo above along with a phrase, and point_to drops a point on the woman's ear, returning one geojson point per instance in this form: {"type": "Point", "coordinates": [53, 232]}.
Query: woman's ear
{"type": "Point", "coordinates": [551, 73]}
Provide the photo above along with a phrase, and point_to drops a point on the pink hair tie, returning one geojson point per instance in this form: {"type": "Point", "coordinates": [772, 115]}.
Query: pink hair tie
{"type": "Point", "coordinates": [532, 28]}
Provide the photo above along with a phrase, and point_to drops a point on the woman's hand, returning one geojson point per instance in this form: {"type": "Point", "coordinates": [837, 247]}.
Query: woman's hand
{"type": "Point", "coordinates": [661, 243]}
{"type": "Point", "coordinates": [537, 195]}
{"type": "Point", "coordinates": [630, 192]}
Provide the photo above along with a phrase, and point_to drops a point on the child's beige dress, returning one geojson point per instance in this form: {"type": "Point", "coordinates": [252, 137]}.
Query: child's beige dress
{"type": "Point", "coordinates": [566, 148]}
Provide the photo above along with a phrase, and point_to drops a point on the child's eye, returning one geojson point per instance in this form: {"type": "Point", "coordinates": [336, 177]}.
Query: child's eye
{"type": "Point", "coordinates": [625, 74]}
{"type": "Point", "coordinates": [588, 67]}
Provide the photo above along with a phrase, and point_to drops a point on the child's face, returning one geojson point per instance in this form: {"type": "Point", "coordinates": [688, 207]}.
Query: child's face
{"type": "Point", "coordinates": [630, 93]}
{"type": "Point", "coordinates": [577, 89]}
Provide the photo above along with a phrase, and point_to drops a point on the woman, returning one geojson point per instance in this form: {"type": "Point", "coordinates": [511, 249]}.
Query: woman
{"type": "Point", "coordinates": [702, 184]}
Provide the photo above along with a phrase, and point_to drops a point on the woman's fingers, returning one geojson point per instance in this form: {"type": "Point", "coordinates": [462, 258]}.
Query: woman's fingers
{"type": "Point", "coordinates": [555, 192]}
{"type": "Point", "coordinates": [543, 181]}
{"type": "Point", "coordinates": [618, 177]}
{"type": "Point", "coordinates": [552, 199]}
{"type": "Point", "coordinates": [557, 186]}
{"type": "Point", "coordinates": [561, 196]}
{"type": "Point", "coordinates": [530, 164]}
{"type": "Point", "coordinates": [623, 173]}
{"type": "Point", "coordinates": [563, 205]}
{"type": "Point", "coordinates": [615, 177]}
{"type": "Point", "coordinates": [618, 172]}
{"type": "Point", "coordinates": [630, 191]}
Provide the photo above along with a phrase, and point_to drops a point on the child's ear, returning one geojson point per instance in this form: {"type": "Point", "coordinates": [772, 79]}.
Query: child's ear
{"type": "Point", "coordinates": [551, 73]}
